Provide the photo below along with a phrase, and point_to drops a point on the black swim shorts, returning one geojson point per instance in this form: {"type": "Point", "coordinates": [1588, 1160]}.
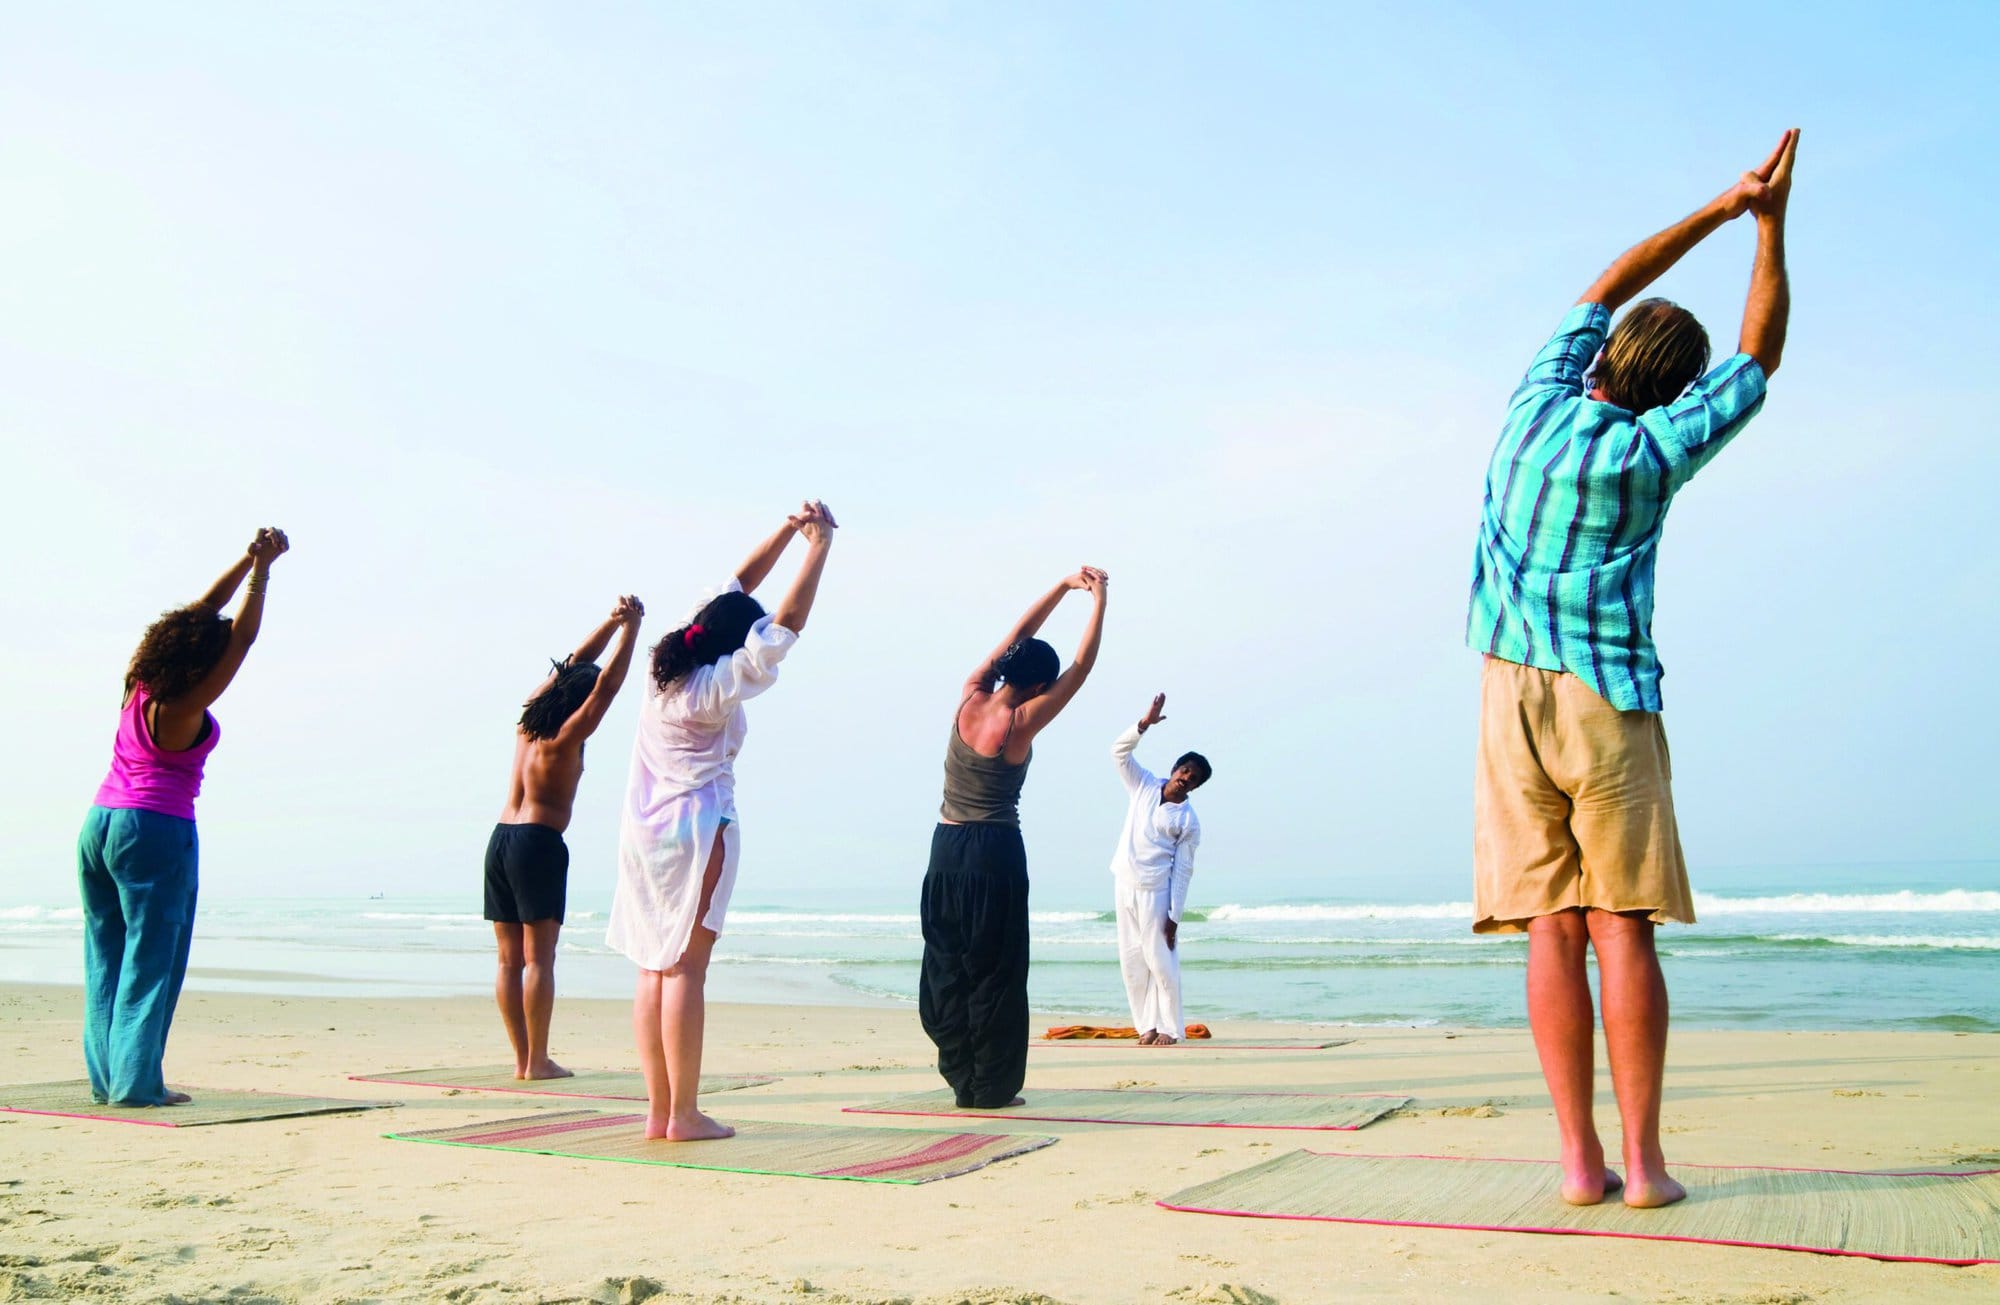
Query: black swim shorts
{"type": "Point", "coordinates": [527, 874]}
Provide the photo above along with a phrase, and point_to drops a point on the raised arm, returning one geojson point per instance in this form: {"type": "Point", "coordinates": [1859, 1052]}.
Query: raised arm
{"type": "Point", "coordinates": [269, 545]}
{"type": "Point", "coordinates": [1027, 627]}
{"type": "Point", "coordinates": [625, 620]}
{"type": "Point", "coordinates": [816, 523]}
{"type": "Point", "coordinates": [1768, 309]}
{"type": "Point", "coordinates": [594, 643]}
{"type": "Point", "coordinates": [1135, 775]}
{"type": "Point", "coordinates": [765, 556]}
{"type": "Point", "coordinates": [1041, 710]}
{"type": "Point", "coordinates": [1647, 261]}
{"type": "Point", "coordinates": [224, 587]}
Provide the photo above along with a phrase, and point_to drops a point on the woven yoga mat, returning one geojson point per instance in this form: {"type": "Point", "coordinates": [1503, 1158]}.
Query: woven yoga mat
{"type": "Point", "coordinates": [596, 1084]}
{"type": "Point", "coordinates": [872, 1155]}
{"type": "Point", "coordinates": [1943, 1217]}
{"type": "Point", "coordinates": [1157, 1106]}
{"type": "Point", "coordinates": [71, 1100]}
{"type": "Point", "coordinates": [1197, 1044]}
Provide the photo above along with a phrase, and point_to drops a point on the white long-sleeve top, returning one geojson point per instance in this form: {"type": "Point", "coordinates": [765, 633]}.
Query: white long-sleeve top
{"type": "Point", "coordinates": [1156, 848]}
{"type": "Point", "coordinates": [681, 787]}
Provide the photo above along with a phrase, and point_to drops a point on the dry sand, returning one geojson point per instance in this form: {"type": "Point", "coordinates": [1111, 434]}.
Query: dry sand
{"type": "Point", "coordinates": [324, 1209]}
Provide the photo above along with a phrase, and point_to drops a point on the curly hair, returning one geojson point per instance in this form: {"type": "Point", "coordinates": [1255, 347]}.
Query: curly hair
{"type": "Point", "coordinates": [718, 630]}
{"type": "Point", "coordinates": [177, 651]}
{"type": "Point", "coordinates": [543, 716]}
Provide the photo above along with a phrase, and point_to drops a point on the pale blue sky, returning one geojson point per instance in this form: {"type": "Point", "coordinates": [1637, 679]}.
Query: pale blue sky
{"type": "Point", "coordinates": [503, 309]}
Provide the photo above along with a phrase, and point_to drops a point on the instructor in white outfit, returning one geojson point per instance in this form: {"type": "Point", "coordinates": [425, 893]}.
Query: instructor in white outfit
{"type": "Point", "coordinates": [1152, 867]}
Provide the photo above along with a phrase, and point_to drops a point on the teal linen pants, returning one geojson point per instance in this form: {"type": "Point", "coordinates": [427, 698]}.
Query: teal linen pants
{"type": "Point", "coordinates": [136, 871]}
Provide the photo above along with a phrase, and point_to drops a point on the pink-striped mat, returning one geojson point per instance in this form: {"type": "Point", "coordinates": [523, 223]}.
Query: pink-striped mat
{"type": "Point", "coordinates": [1937, 1216]}
{"type": "Point", "coordinates": [70, 1099]}
{"type": "Point", "coordinates": [1198, 1044]}
{"type": "Point", "coordinates": [873, 1155]}
{"type": "Point", "coordinates": [590, 1084]}
{"type": "Point", "coordinates": [1315, 1110]}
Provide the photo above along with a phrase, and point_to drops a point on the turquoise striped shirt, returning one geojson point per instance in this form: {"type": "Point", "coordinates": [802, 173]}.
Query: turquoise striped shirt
{"type": "Point", "coordinates": [1576, 497]}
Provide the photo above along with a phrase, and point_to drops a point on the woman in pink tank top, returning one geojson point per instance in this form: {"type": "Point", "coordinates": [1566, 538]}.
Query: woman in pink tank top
{"type": "Point", "coordinates": [136, 857]}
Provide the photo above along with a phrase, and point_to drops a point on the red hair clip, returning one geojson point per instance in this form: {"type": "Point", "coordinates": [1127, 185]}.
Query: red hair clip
{"type": "Point", "coordinates": [689, 635]}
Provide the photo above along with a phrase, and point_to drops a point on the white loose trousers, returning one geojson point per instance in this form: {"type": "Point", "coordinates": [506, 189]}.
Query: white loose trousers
{"type": "Point", "coordinates": [1152, 969]}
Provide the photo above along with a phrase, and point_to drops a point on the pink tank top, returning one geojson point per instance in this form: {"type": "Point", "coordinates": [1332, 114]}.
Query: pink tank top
{"type": "Point", "coordinates": [146, 777]}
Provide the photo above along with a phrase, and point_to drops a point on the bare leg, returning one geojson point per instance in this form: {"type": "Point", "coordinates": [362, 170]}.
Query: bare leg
{"type": "Point", "coordinates": [683, 1018]}
{"type": "Point", "coordinates": [1635, 1036]}
{"type": "Point", "coordinates": [507, 991]}
{"type": "Point", "coordinates": [1564, 1025]}
{"type": "Point", "coordinates": [652, 1051]}
{"type": "Point", "coordinates": [538, 996]}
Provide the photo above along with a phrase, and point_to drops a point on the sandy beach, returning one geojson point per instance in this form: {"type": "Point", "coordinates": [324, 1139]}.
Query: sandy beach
{"type": "Point", "coordinates": [324, 1209]}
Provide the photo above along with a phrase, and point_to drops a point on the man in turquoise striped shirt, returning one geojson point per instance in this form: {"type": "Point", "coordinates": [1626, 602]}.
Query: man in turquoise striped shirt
{"type": "Point", "coordinates": [1574, 834]}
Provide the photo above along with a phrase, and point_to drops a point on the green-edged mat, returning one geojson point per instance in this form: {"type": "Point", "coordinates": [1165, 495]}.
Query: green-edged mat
{"type": "Point", "coordinates": [1158, 1106]}
{"type": "Point", "coordinates": [596, 1084]}
{"type": "Point", "coordinates": [874, 1155]}
{"type": "Point", "coordinates": [1199, 1044]}
{"type": "Point", "coordinates": [70, 1099]}
{"type": "Point", "coordinates": [1945, 1217]}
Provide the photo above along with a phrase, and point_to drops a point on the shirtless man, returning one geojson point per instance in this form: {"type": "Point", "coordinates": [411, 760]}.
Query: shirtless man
{"type": "Point", "coordinates": [527, 863]}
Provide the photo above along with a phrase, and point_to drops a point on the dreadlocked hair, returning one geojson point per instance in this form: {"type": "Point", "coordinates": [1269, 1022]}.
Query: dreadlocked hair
{"type": "Point", "coordinates": [177, 651]}
{"type": "Point", "coordinates": [718, 630]}
{"type": "Point", "coordinates": [543, 716]}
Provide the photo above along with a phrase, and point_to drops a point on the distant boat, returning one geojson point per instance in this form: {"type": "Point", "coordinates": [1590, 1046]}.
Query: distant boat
{"type": "Point", "coordinates": [375, 897]}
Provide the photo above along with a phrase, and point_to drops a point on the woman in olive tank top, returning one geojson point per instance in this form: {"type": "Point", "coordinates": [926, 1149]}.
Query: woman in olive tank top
{"type": "Point", "coordinates": [973, 994]}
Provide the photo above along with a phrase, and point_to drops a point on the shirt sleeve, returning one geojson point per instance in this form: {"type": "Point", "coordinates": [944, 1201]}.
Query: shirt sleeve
{"type": "Point", "coordinates": [1183, 873]}
{"type": "Point", "coordinates": [1695, 427]}
{"type": "Point", "coordinates": [1563, 360]}
{"type": "Point", "coordinates": [730, 586]}
{"type": "Point", "coordinates": [716, 689]}
{"type": "Point", "coordinates": [1135, 775]}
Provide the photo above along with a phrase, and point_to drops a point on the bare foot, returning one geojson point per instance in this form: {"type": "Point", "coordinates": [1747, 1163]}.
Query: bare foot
{"type": "Point", "coordinates": [176, 1098]}
{"type": "Point", "coordinates": [656, 1127]}
{"type": "Point", "coordinates": [1164, 1041]}
{"type": "Point", "coordinates": [699, 1128]}
{"type": "Point", "coordinates": [1017, 1101]}
{"type": "Point", "coordinates": [1585, 1179]}
{"type": "Point", "coordinates": [1650, 1193]}
{"type": "Point", "coordinates": [547, 1069]}
{"type": "Point", "coordinates": [1612, 1182]}
{"type": "Point", "coordinates": [1148, 1038]}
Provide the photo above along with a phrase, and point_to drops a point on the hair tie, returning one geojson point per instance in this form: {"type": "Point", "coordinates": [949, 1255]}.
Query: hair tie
{"type": "Point", "coordinates": [689, 635]}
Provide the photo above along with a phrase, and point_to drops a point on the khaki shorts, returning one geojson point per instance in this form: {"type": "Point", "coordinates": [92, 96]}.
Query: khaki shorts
{"type": "Point", "coordinates": [1572, 805]}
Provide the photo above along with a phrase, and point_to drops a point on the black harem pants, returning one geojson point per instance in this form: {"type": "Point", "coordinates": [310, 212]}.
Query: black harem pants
{"type": "Point", "coordinates": [973, 993]}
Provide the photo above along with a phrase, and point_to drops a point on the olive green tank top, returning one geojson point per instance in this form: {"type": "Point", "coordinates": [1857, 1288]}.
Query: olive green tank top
{"type": "Point", "coordinates": [979, 789]}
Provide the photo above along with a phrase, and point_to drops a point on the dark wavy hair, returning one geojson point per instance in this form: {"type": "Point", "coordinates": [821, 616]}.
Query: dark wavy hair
{"type": "Point", "coordinates": [1197, 760]}
{"type": "Point", "coordinates": [543, 716]}
{"type": "Point", "coordinates": [1028, 664]}
{"type": "Point", "coordinates": [722, 626]}
{"type": "Point", "coordinates": [178, 650]}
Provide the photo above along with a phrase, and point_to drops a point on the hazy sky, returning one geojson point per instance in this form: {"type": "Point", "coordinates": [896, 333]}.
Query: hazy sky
{"type": "Point", "coordinates": [503, 309]}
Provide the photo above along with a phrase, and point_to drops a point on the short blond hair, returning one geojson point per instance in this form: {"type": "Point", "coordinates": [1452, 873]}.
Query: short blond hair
{"type": "Point", "coordinates": [1656, 351]}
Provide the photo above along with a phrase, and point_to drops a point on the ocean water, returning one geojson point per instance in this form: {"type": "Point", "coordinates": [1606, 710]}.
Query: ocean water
{"type": "Point", "coordinates": [1877, 947]}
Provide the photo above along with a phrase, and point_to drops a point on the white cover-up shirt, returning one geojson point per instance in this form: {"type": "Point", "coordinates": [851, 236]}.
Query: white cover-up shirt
{"type": "Point", "coordinates": [1156, 848]}
{"type": "Point", "coordinates": [680, 790]}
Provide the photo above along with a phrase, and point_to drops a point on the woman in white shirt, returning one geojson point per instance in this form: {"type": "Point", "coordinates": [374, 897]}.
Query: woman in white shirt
{"type": "Point", "coordinates": [677, 841]}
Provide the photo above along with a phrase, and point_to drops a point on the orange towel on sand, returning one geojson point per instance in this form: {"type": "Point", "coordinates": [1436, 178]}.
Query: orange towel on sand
{"type": "Point", "coordinates": [1067, 1031]}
